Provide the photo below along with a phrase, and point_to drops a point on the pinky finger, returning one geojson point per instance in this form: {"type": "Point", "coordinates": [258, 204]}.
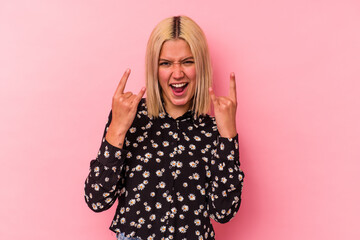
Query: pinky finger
{"type": "Point", "coordinates": [212, 95]}
{"type": "Point", "coordinates": [140, 95]}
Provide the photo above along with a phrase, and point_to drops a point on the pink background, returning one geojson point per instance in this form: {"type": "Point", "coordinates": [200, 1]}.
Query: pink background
{"type": "Point", "coordinates": [297, 68]}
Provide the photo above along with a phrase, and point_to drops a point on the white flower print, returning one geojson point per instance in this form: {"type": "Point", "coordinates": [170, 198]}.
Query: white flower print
{"type": "Point", "coordinates": [132, 130]}
{"type": "Point", "coordinates": [196, 176]}
{"type": "Point", "coordinates": [165, 149]}
{"type": "Point", "coordinates": [146, 174]}
{"type": "Point", "coordinates": [230, 157]}
{"type": "Point", "coordinates": [94, 206]}
{"type": "Point", "coordinates": [158, 205]}
{"type": "Point", "coordinates": [185, 208]}
{"type": "Point", "coordinates": [193, 164]}
{"type": "Point", "coordinates": [192, 197]}
{"type": "Point", "coordinates": [197, 222]}
{"type": "Point", "coordinates": [148, 155]}
{"type": "Point", "coordinates": [139, 168]}
{"type": "Point", "coordinates": [141, 186]}
{"type": "Point", "coordinates": [132, 202]}
{"type": "Point", "coordinates": [159, 173]}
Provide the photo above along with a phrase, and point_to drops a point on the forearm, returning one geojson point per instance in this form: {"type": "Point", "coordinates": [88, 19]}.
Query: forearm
{"type": "Point", "coordinates": [115, 137]}
{"type": "Point", "coordinates": [226, 180]}
{"type": "Point", "coordinates": [104, 178]}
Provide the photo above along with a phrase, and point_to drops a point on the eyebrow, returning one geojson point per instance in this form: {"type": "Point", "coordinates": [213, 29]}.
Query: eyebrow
{"type": "Point", "coordinates": [187, 58]}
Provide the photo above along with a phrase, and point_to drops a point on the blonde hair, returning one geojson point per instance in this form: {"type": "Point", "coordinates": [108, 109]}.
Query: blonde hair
{"type": "Point", "coordinates": [179, 27]}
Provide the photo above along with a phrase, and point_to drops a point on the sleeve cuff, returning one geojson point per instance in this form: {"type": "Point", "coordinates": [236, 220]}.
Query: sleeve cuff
{"type": "Point", "coordinates": [228, 147]}
{"type": "Point", "coordinates": [110, 155]}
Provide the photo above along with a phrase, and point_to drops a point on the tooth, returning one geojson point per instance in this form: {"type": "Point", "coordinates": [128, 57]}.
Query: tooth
{"type": "Point", "coordinates": [177, 85]}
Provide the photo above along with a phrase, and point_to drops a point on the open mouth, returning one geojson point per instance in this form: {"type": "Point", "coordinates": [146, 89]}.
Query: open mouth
{"type": "Point", "coordinates": [178, 88]}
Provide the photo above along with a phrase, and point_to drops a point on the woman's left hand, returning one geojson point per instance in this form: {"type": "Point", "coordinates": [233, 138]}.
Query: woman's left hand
{"type": "Point", "coordinates": [225, 110]}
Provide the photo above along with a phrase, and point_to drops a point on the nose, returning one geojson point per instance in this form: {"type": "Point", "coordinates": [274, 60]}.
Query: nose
{"type": "Point", "coordinates": [177, 71]}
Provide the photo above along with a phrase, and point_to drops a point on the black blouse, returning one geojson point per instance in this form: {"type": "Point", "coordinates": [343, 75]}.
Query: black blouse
{"type": "Point", "coordinates": [169, 178]}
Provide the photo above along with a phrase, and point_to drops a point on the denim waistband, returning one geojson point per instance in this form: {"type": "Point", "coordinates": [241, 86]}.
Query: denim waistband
{"type": "Point", "coordinates": [121, 236]}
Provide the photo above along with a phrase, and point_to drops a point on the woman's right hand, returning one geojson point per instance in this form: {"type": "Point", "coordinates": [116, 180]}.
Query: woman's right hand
{"type": "Point", "coordinates": [124, 108]}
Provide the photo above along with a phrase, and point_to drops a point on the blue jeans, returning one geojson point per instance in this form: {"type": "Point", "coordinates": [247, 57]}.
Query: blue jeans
{"type": "Point", "coordinates": [121, 236]}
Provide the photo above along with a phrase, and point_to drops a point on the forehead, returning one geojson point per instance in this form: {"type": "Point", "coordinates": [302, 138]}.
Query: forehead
{"type": "Point", "coordinates": [175, 49]}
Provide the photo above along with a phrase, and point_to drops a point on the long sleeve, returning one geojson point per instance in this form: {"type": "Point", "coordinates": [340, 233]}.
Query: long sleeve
{"type": "Point", "coordinates": [226, 180]}
{"type": "Point", "coordinates": [104, 181]}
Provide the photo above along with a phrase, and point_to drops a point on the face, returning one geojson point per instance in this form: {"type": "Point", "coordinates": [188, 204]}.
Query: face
{"type": "Point", "coordinates": [177, 75]}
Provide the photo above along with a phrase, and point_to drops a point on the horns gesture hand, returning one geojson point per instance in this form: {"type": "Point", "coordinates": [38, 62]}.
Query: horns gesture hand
{"type": "Point", "coordinates": [225, 110]}
{"type": "Point", "coordinates": [124, 108]}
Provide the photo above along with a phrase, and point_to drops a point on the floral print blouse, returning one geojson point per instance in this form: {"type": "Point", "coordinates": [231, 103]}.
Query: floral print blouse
{"type": "Point", "coordinates": [171, 176]}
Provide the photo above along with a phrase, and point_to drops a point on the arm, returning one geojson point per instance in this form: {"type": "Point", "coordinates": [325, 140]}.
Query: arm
{"type": "Point", "coordinates": [226, 180]}
{"type": "Point", "coordinates": [104, 181]}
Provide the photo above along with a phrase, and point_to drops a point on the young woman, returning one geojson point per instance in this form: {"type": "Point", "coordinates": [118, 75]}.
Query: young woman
{"type": "Point", "coordinates": [170, 165]}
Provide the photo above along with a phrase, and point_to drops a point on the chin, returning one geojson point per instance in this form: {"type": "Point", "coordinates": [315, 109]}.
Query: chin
{"type": "Point", "coordinates": [180, 102]}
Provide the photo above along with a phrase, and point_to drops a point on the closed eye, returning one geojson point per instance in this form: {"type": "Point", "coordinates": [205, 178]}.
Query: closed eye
{"type": "Point", "coordinates": [188, 62]}
{"type": "Point", "coordinates": [164, 64]}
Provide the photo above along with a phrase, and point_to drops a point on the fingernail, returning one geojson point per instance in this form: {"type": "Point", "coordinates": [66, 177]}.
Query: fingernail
{"type": "Point", "coordinates": [127, 70]}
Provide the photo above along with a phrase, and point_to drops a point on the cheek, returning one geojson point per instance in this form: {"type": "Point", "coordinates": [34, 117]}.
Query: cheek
{"type": "Point", "coordinates": [163, 77]}
{"type": "Point", "coordinates": [192, 74]}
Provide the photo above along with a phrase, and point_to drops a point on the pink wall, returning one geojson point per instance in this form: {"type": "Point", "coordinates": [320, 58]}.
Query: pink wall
{"type": "Point", "coordinates": [297, 66]}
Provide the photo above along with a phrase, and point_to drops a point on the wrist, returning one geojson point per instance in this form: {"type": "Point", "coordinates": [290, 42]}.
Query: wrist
{"type": "Point", "coordinates": [228, 133]}
{"type": "Point", "coordinates": [115, 138]}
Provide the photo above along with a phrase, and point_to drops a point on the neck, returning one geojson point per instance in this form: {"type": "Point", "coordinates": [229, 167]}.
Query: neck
{"type": "Point", "coordinates": [176, 111]}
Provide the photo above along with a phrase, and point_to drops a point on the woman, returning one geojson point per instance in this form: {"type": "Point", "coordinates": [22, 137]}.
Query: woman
{"type": "Point", "coordinates": [170, 165]}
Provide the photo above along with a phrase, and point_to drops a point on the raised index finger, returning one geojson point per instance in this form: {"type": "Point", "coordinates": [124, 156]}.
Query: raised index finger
{"type": "Point", "coordinates": [232, 92]}
{"type": "Point", "coordinates": [120, 88]}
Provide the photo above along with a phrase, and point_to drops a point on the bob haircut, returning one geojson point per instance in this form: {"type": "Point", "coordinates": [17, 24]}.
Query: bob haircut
{"type": "Point", "coordinates": [178, 27]}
